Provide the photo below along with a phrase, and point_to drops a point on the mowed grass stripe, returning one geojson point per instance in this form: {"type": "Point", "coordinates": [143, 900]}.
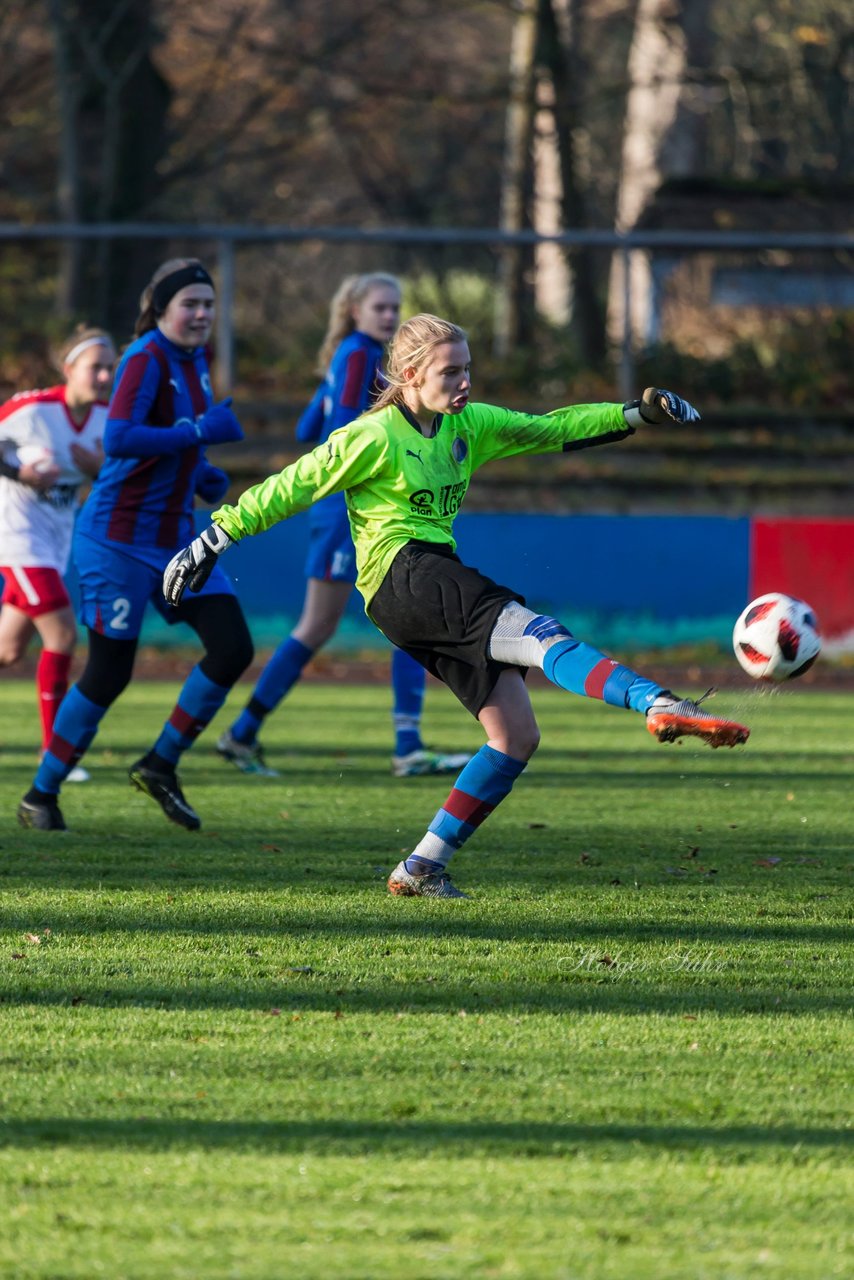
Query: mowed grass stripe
{"type": "Point", "coordinates": [628, 1055]}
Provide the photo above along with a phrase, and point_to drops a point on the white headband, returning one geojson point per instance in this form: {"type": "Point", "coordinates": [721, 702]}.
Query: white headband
{"type": "Point", "coordinates": [102, 341]}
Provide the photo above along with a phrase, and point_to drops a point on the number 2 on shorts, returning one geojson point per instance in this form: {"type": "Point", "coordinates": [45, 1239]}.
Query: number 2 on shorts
{"type": "Point", "coordinates": [121, 609]}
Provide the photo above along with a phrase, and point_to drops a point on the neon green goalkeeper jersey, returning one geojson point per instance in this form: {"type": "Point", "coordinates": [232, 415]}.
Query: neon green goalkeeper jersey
{"type": "Point", "coordinates": [400, 485]}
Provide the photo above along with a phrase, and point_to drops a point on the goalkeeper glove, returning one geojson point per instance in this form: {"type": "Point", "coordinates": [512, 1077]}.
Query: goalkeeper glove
{"type": "Point", "coordinates": [656, 406]}
{"type": "Point", "coordinates": [192, 566]}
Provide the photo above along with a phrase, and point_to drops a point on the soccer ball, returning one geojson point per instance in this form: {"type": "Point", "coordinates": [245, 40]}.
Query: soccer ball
{"type": "Point", "coordinates": [36, 455]}
{"type": "Point", "coordinates": [776, 637]}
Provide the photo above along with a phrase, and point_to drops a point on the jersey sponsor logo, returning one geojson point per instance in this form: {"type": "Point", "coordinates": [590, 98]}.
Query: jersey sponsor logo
{"type": "Point", "coordinates": [59, 496]}
{"type": "Point", "coordinates": [421, 500]}
{"type": "Point", "coordinates": [459, 449]}
{"type": "Point", "coordinates": [451, 497]}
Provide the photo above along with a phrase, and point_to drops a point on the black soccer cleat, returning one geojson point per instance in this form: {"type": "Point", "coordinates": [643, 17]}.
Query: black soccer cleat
{"type": "Point", "coordinates": [166, 790]}
{"type": "Point", "coordinates": [41, 814]}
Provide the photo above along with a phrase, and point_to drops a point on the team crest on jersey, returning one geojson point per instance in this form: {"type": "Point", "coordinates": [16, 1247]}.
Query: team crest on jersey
{"type": "Point", "coordinates": [459, 449]}
{"type": "Point", "coordinates": [206, 384]}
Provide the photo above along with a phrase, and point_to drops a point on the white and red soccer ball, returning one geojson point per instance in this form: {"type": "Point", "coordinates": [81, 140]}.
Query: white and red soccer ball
{"type": "Point", "coordinates": [776, 637]}
{"type": "Point", "coordinates": [36, 455]}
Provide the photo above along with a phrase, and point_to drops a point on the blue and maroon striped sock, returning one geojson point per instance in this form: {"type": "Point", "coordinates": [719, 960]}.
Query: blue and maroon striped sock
{"type": "Point", "coordinates": [198, 702]}
{"type": "Point", "coordinates": [579, 668]}
{"type": "Point", "coordinates": [481, 786]}
{"type": "Point", "coordinates": [74, 728]}
{"type": "Point", "coordinates": [282, 671]}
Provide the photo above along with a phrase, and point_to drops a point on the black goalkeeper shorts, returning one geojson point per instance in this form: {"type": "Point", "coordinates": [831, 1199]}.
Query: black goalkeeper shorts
{"type": "Point", "coordinates": [443, 614]}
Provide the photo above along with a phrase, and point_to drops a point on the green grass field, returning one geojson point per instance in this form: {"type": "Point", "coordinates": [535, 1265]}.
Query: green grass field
{"type": "Point", "coordinates": [232, 1054]}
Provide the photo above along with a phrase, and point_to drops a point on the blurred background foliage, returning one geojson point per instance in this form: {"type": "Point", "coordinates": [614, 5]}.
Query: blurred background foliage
{"type": "Point", "coordinates": [343, 113]}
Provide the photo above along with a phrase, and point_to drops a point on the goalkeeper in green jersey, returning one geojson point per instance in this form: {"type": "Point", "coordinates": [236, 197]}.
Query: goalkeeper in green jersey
{"type": "Point", "coordinates": [404, 468]}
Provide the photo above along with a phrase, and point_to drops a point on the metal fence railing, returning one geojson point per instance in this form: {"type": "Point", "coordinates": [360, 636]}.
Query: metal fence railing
{"type": "Point", "coordinates": [227, 238]}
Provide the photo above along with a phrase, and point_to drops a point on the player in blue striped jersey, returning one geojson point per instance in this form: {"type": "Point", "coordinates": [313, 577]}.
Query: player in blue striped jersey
{"type": "Point", "coordinates": [160, 420]}
{"type": "Point", "coordinates": [364, 314]}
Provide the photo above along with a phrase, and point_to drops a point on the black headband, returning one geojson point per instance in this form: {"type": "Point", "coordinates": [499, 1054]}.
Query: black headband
{"type": "Point", "coordinates": [165, 289]}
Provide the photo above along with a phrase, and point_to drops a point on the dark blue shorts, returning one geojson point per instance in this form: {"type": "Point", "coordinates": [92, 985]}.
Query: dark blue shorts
{"type": "Point", "coordinates": [117, 582]}
{"type": "Point", "coordinates": [331, 554]}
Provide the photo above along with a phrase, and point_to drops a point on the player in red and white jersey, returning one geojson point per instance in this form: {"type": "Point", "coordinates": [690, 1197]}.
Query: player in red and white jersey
{"type": "Point", "coordinates": [50, 445]}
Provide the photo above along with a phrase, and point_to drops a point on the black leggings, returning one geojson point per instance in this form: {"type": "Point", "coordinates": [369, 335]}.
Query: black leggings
{"type": "Point", "coordinates": [219, 623]}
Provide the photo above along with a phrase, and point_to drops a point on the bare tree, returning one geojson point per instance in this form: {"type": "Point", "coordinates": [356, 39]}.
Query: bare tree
{"type": "Point", "coordinates": [663, 134]}
{"type": "Point", "coordinates": [567, 68]}
{"type": "Point", "coordinates": [514, 174]}
{"type": "Point", "coordinates": [112, 112]}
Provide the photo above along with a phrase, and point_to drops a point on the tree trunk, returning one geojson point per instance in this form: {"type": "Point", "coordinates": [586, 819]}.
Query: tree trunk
{"type": "Point", "coordinates": [113, 133]}
{"type": "Point", "coordinates": [562, 55]}
{"type": "Point", "coordinates": [663, 136]}
{"type": "Point", "coordinates": [68, 175]}
{"type": "Point", "coordinates": [515, 175]}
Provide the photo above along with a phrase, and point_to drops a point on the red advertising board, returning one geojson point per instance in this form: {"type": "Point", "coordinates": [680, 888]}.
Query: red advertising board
{"type": "Point", "coordinates": [811, 559]}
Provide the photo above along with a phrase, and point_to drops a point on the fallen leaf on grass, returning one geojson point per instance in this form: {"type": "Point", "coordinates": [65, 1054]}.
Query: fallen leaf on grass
{"type": "Point", "coordinates": [689, 1017]}
{"type": "Point", "coordinates": [271, 848]}
{"type": "Point", "coordinates": [274, 1013]}
{"type": "Point", "coordinates": [18, 955]}
{"type": "Point", "coordinates": [692, 1047]}
{"type": "Point", "coordinates": [33, 938]}
{"type": "Point", "coordinates": [608, 961]}
{"type": "Point", "coordinates": [693, 851]}
{"type": "Point", "coordinates": [676, 871]}
{"type": "Point", "coordinates": [76, 1000]}
{"type": "Point", "coordinates": [537, 826]}
{"type": "Point", "coordinates": [767, 862]}
{"type": "Point", "coordinates": [301, 968]}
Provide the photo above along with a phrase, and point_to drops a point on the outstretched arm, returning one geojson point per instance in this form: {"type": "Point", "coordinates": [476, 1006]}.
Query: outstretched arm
{"type": "Point", "coordinates": [345, 460]}
{"type": "Point", "coordinates": [505, 432]}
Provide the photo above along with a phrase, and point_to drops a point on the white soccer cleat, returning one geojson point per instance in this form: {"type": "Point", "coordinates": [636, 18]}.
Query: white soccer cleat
{"type": "Point", "coordinates": [437, 884]}
{"type": "Point", "coordinates": [248, 757]}
{"type": "Point", "coordinates": [421, 763]}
